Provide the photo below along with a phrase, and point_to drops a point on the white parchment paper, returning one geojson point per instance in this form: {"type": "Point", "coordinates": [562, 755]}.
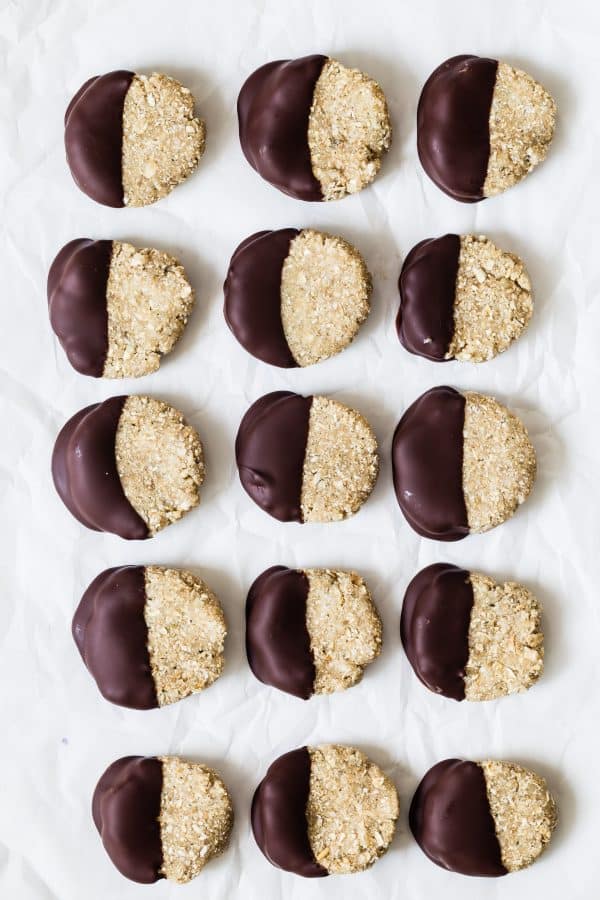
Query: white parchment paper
{"type": "Point", "coordinates": [57, 734]}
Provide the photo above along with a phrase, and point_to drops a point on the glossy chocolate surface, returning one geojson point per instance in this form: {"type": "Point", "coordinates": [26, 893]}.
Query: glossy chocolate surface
{"type": "Point", "coordinates": [125, 809]}
{"type": "Point", "coordinates": [77, 283]}
{"type": "Point", "coordinates": [111, 634]}
{"type": "Point", "coordinates": [451, 820]}
{"type": "Point", "coordinates": [425, 322]}
{"type": "Point", "coordinates": [278, 815]}
{"type": "Point", "coordinates": [453, 132]}
{"type": "Point", "coordinates": [427, 455]}
{"type": "Point", "coordinates": [269, 451]}
{"type": "Point", "coordinates": [273, 110]}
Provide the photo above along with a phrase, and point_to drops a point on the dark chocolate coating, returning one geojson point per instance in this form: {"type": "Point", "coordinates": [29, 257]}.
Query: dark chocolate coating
{"type": "Point", "coordinates": [269, 451]}
{"type": "Point", "coordinates": [94, 136]}
{"type": "Point", "coordinates": [125, 809]}
{"type": "Point", "coordinates": [77, 283]}
{"type": "Point", "coordinates": [425, 321]}
{"type": "Point", "coordinates": [277, 639]}
{"type": "Point", "coordinates": [278, 815]}
{"type": "Point", "coordinates": [427, 454]}
{"type": "Point", "coordinates": [111, 634]}
{"type": "Point", "coordinates": [453, 132]}
{"type": "Point", "coordinates": [85, 474]}
{"type": "Point", "coordinates": [253, 295]}
{"type": "Point", "coordinates": [451, 820]}
{"type": "Point", "coordinates": [273, 109]}
{"type": "Point", "coordinates": [434, 627]}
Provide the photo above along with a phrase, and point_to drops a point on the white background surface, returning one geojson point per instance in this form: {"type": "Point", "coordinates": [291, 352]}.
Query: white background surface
{"type": "Point", "coordinates": [58, 734]}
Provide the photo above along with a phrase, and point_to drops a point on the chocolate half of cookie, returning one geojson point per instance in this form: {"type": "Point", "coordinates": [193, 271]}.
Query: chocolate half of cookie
{"type": "Point", "coordinates": [468, 637]}
{"type": "Point", "coordinates": [306, 459]}
{"type": "Point", "coordinates": [482, 126]}
{"type": "Point", "coordinates": [312, 127]}
{"type": "Point", "coordinates": [462, 463]}
{"type": "Point", "coordinates": [130, 465]}
{"type": "Point", "coordinates": [462, 297]}
{"type": "Point", "coordinates": [150, 635]}
{"type": "Point", "coordinates": [117, 309]}
{"type": "Point", "coordinates": [323, 811]}
{"type": "Point", "coordinates": [310, 631]}
{"type": "Point", "coordinates": [161, 817]}
{"type": "Point", "coordinates": [294, 298]}
{"type": "Point", "coordinates": [130, 139]}
{"type": "Point", "coordinates": [482, 818]}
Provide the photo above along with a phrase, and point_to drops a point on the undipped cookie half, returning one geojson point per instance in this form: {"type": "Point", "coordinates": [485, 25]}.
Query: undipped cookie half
{"type": "Point", "coordinates": [462, 464]}
{"type": "Point", "coordinates": [482, 818]}
{"type": "Point", "coordinates": [117, 309]}
{"type": "Point", "coordinates": [294, 298]}
{"type": "Point", "coordinates": [130, 465]}
{"type": "Point", "coordinates": [150, 635]}
{"type": "Point", "coordinates": [324, 810]}
{"type": "Point", "coordinates": [468, 637]}
{"type": "Point", "coordinates": [130, 139]}
{"type": "Point", "coordinates": [312, 127]}
{"type": "Point", "coordinates": [482, 126]}
{"type": "Point", "coordinates": [161, 817]}
{"type": "Point", "coordinates": [306, 459]}
{"type": "Point", "coordinates": [310, 631]}
{"type": "Point", "coordinates": [462, 297]}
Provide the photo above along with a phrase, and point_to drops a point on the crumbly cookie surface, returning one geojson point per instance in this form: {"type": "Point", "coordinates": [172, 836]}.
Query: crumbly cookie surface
{"type": "Point", "coordinates": [352, 809]}
{"type": "Point", "coordinates": [340, 463]}
{"type": "Point", "coordinates": [344, 628]}
{"type": "Point", "coordinates": [506, 643]}
{"type": "Point", "coordinates": [159, 460]}
{"type": "Point", "coordinates": [162, 139]}
{"type": "Point", "coordinates": [325, 295]}
{"type": "Point", "coordinates": [499, 463]}
{"type": "Point", "coordinates": [522, 120]}
{"type": "Point", "coordinates": [348, 130]}
{"type": "Point", "coordinates": [196, 818]}
{"type": "Point", "coordinates": [523, 810]}
{"type": "Point", "coordinates": [492, 302]}
{"type": "Point", "coordinates": [186, 633]}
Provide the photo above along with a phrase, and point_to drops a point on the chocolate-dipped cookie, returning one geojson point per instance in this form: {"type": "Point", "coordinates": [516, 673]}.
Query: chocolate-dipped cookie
{"type": "Point", "coordinates": [461, 297]}
{"type": "Point", "coordinates": [161, 817]}
{"type": "Point", "coordinates": [306, 459]}
{"type": "Point", "coordinates": [130, 139]}
{"type": "Point", "coordinates": [468, 637]}
{"type": "Point", "coordinates": [482, 126]}
{"type": "Point", "coordinates": [294, 298]}
{"type": "Point", "coordinates": [482, 818]}
{"type": "Point", "coordinates": [312, 127]}
{"type": "Point", "coordinates": [117, 309]}
{"type": "Point", "coordinates": [310, 631]}
{"type": "Point", "coordinates": [462, 464]}
{"type": "Point", "coordinates": [130, 465]}
{"type": "Point", "coordinates": [324, 810]}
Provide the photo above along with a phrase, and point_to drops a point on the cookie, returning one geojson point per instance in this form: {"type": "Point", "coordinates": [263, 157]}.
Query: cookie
{"type": "Point", "coordinates": [324, 810]}
{"type": "Point", "coordinates": [461, 297]}
{"type": "Point", "coordinates": [306, 459]}
{"type": "Point", "coordinates": [462, 463]}
{"type": "Point", "coordinates": [310, 631]}
{"type": "Point", "coordinates": [161, 817]}
{"type": "Point", "coordinates": [468, 637]}
{"type": "Point", "coordinates": [294, 298]}
{"type": "Point", "coordinates": [150, 635]}
{"type": "Point", "coordinates": [482, 818]}
{"type": "Point", "coordinates": [117, 309]}
{"type": "Point", "coordinates": [482, 126]}
{"type": "Point", "coordinates": [129, 465]}
{"type": "Point", "coordinates": [313, 128]}
{"type": "Point", "coordinates": [130, 139]}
